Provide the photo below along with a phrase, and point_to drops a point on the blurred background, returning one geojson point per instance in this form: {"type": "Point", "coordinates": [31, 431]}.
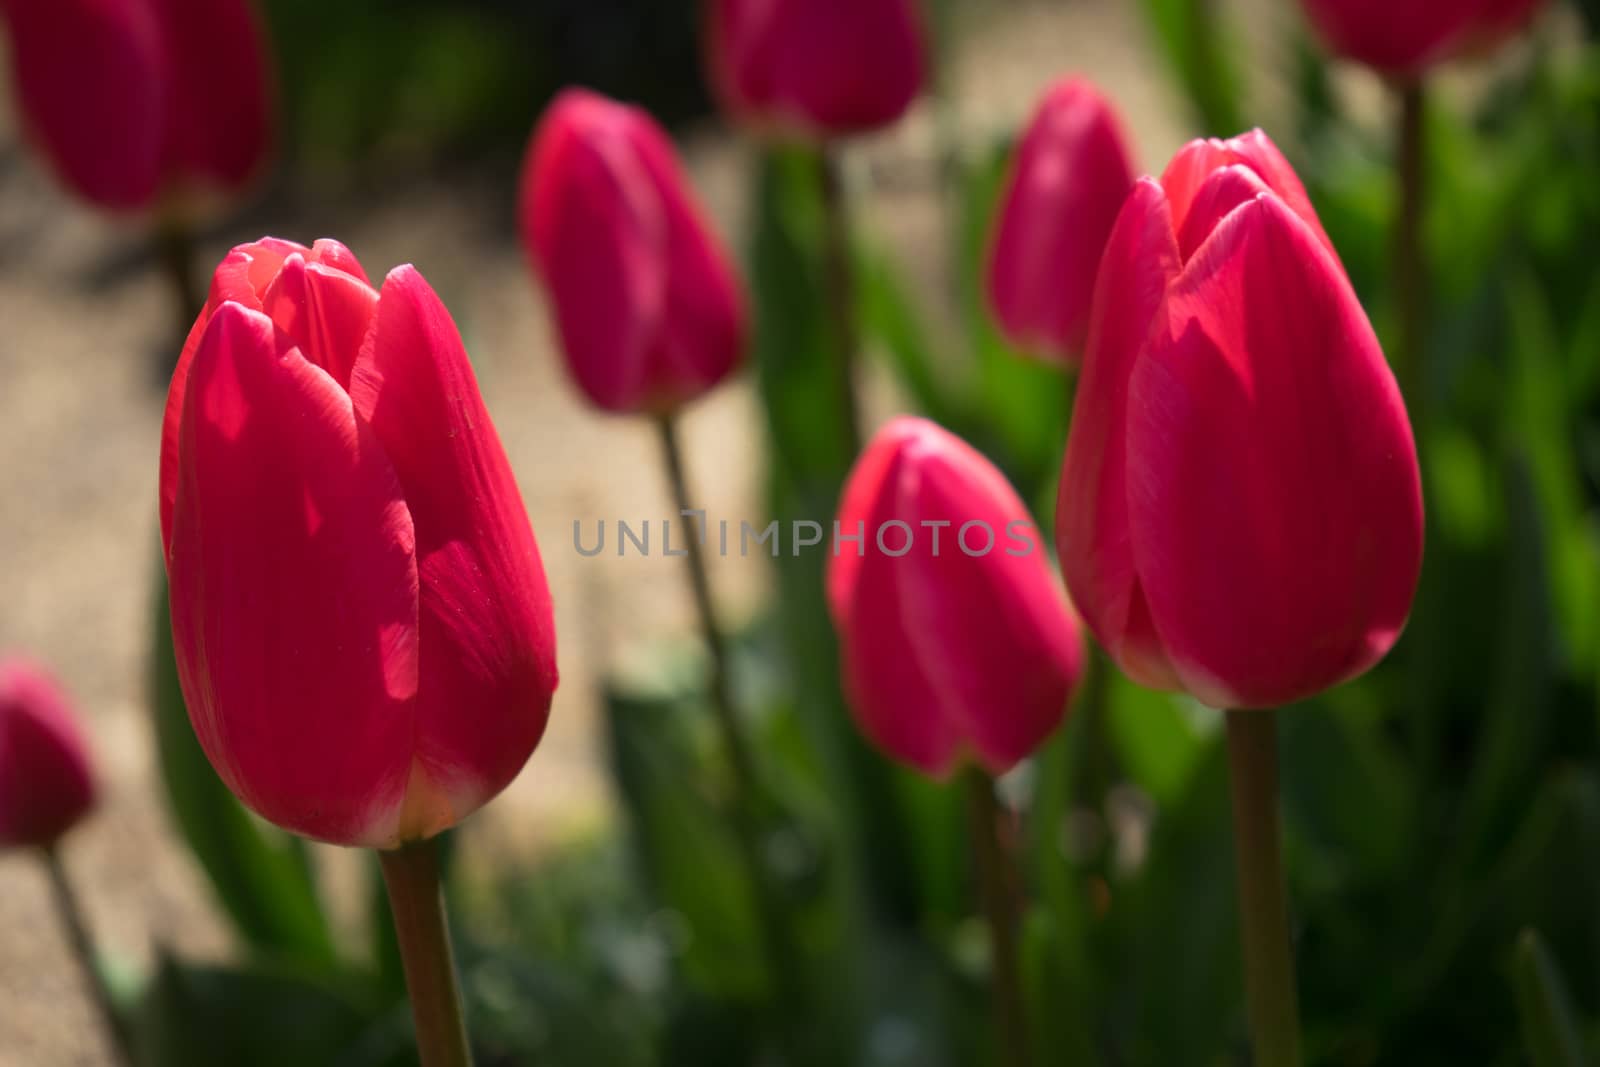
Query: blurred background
{"type": "Point", "coordinates": [1444, 814]}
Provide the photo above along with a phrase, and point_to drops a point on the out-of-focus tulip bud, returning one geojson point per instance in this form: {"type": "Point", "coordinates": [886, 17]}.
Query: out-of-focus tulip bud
{"type": "Point", "coordinates": [1240, 512]}
{"type": "Point", "coordinates": [957, 640]}
{"type": "Point", "coordinates": [363, 630]}
{"type": "Point", "coordinates": [46, 780]}
{"type": "Point", "coordinates": [219, 108]}
{"type": "Point", "coordinates": [816, 69]}
{"type": "Point", "coordinates": [133, 100]}
{"type": "Point", "coordinates": [649, 311]}
{"type": "Point", "coordinates": [1402, 38]}
{"type": "Point", "coordinates": [1071, 174]}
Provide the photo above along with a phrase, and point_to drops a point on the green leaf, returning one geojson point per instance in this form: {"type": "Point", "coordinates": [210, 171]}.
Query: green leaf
{"type": "Point", "coordinates": [889, 318]}
{"type": "Point", "coordinates": [1550, 1030]}
{"type": "Point", "coordinates": [1020, 404]}
{"type": "Point", "coordinates": [671, 789]}
{"type": "Point", "coordinates": [1160, 738]}
{"type": "Point", "coordinates": [261, 877]}
{"type": "Point", "coordinates": [195, 1016]}
{"type": "Point", "coordinates": [1176, 928]}
{"type": "Point", "coordinates": [1196, 44]}
{"type": "Point", "coordinates": [810, 459]}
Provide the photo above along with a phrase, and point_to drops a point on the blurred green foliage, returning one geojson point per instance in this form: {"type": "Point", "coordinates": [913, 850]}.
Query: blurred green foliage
{"type": "Point", "coordinates": [364, 82]}
{"type": "Point", "coordinates": [1442, 813]}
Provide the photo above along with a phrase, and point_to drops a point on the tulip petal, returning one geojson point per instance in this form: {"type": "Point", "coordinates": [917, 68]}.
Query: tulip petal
{"type": "Point", "coordinates": [90, 82]}
{"type": "Point", "coordinates": [244, 276]}
{"type": "Point", "coordinates": [702, 334]}
{"type": "Point", "coordinates": [957, 644]}
{"type": "Point", "coordinates": [1069, 180]}
{"type": "Point", "coordinates": [997, 626]}
{"type": "Point", "coordinates": [1194, 164]}
{"type": "Point", "coordinates": [220, 113]}
{"type": "Point", "coordinates": [847, 65]}
{"type": "Point", "coordinates": [488, 635]}
{"type": "Point", "coordinates": [1221, 193]}
{"type": "Point", "coordinates": [1092, 518]}
{"type": "Point", "coordinates": [46, 782]}
{"type": "Point", "coordinates": [897, 701]}
{"type": "Point", "coordinates": [294, 589]}
{"type": "Point", "coordinates": [1392, 36]}
{"type": "Point", "coordinates": [1273, 491]}
{"type": "Point", "coordinates": [325, 312]}
{"type": "Point", "coordinates": [598, 231]}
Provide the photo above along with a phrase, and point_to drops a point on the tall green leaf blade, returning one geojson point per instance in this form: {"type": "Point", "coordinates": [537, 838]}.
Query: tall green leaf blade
{"type": "Point", "coordinates": [809, 436]}
{"type": "Point", "coordinates": [1550, 1028]}
{"type": "Point", "coordinates": [1192, 35]}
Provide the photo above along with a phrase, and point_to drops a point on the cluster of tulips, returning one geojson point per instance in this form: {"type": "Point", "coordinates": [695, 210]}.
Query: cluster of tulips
{"type": "Point", "coordinates": [365, 637]}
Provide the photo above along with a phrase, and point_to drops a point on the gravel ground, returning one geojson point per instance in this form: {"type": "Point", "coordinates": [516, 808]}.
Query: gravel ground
{"type": "Point", "coordinates": [79, 419]}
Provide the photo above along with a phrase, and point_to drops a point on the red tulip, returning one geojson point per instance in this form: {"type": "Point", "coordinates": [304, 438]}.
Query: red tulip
{"type": "Point", "coordinates": [816, 68]}
{"type": "Point", "coordinates": [1071, 174]}
{"type": "Point", "coordinates": [958, 643]}
{"type": "Point", "coordinates": [1240, 512]}
{"type": "Point", "coordinates": [1404, 37]}
{"type": "Point", "coordinates": [363, 629]}
{"type": "Point", "coordinates": [132, 100]}
{"type": "Point", "coordinates": [46, 780]}
{"type": "Point", "coordinates": [649, 311]}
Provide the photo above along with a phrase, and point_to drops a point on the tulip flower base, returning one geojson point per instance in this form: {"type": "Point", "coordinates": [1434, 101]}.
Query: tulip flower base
{"type": "Point", "coordinates": [1263, 907]}
{"type": "Point", "coordinates": [411, 875]}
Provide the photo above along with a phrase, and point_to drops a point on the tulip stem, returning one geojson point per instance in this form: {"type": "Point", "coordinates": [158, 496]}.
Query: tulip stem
{"type": "Point", "coordinates": [999, 888]}
{"type": "Point", "coordinates": [1410, 265]}
{"type": "Point", "coordinates": [77, 931]}
{"type": "Point", "coordinates": [416, 896]}
{"type": "Point", "coordinates": [1263, 901]}
{"type": "Point", "coordinates": [839, 277]}
{"type": "Point", "coordinates": [175, 245]}
{"type": "Point", "coordinates": [782, 956]}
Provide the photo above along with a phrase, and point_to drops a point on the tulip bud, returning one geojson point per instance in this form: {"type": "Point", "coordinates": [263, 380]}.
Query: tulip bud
{"type": "Point", "coordinates": [1071, 174]}
{"type": "Point", "coordinates": [1240, 512]}
{"type": "Point", "coordinates": [957, 641]}
{"type": "Point", "coordinates": [132, 100]}
{"type": "Point", "coordinates": [46, 781]}
{"type": "Point", "coordinates": [1402, 38]}
{"type": "Point", "coordinates": [363, 630]}
{"type": "Point", "coordinates": [816, 69]}
{"type": "Point", "coordinates": [649, 311]}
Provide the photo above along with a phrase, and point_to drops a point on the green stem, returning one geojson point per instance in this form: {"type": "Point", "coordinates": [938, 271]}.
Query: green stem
{"type": "Point", "coordinates": [175, 243]}
{"type": "Point", "coordinates": [839, 277]}
{"type": "Point", "coordinates": [1091, 773]}
{"type": "Point", "coordinates": [175, 246]}
{"type": "Point", "coordinates": [782, 956]}
{"type": "Point", "coordinates": [1410, 264]}
{"type": "Point", "coordinates": [998, 886]}
{"type": "Point", "coordinates": [82, 942]}
{"type": "Point", "coordinates": [1263, 902]}
{"type": "Point", "coordinates": [416, 897]}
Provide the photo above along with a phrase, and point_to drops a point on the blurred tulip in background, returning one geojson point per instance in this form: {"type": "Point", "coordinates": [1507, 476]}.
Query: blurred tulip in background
{"type": "Point", "coordinates": [47, 782]}
{"type": "Point", "coordinates": [958, 642]}
{"type": "Point", "coordinates": [1403, 38]}
{"type": "Point", "coordinates": [1240, 513]}
{"type": "Point", "coordinates": [647, 304]}
{"type": "Point", "coordinates": [135, 102]}
{"type": "Point", "coordinates": [1072, 171]}
{"type": "Point", "coordinates": [363, 628]}
{"type": "Point", "coordinates": [815, 69]}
